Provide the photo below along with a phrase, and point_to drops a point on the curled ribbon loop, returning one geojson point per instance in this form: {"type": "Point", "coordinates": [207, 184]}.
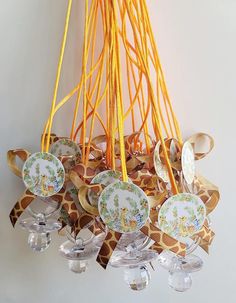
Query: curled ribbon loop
{"type": "Point", "coordinates": [22, 154]}
{"type": "Point", "coordinates": [84, 200]}
{"type": "Point", "coordinates": [198, 138]}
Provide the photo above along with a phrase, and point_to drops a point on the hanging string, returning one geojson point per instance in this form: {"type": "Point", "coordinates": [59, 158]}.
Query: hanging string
{"type": "Point", "coordinates": [151, 92]}
{"type": "Point", "coordinates": [111, 109]}
{"type": "Point", "coordinates": [118, 83]}
{"type": "Point", "coordinates": [89, 20]}
{"type": "Point", "coordinates": [141, 56]}
{"type": "Point", "coordinates": [57, 80]}
{"type": "Point", "coordinates": [163, 83]}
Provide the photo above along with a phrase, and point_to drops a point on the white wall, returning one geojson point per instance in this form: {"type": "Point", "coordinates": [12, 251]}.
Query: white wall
{"type": "Point", "coordinates": [197, 43]}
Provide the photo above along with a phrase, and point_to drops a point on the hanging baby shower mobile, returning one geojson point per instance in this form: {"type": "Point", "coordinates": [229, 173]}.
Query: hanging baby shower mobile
{"type": "Point", "coordinates": [131, 194]}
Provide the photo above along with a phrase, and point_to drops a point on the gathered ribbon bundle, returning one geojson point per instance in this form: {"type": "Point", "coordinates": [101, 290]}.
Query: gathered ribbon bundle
{"type": "Point", "coordinates": [152, 163]}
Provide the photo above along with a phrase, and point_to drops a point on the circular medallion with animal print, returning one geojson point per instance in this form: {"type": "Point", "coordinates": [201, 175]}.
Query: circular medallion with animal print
{"type": "Point", "coordinates": [123, 207]}
{"type": "Point", "coordinates": [182, 216]}
{"type": "Point", "coordinates": [43, 174]}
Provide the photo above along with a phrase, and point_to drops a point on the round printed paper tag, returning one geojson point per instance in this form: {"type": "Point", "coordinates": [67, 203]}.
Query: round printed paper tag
{"type": "Point", "coordinates": [188, 162]}
{"type": "Point", "coordinates": [43, 174]}
{"type": "Point", "coordinates": [65, 147]}
{"type": "Point", "coordinates": [105, 178]}
{"type": "Point", "coordinates": [160, 168]}
{"type": "Point", "coordinates": [182, 215]}
{"type": "Point", "coordinates": [123, 207]}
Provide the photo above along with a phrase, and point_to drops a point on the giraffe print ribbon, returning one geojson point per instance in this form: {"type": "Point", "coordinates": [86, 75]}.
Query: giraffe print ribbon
{"type": "Point", "coordinates": [141, 172]}
{"type": "Point", "coordinates": [26, 199]}
{"type": "Point", "coordinates": [162, 240]}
